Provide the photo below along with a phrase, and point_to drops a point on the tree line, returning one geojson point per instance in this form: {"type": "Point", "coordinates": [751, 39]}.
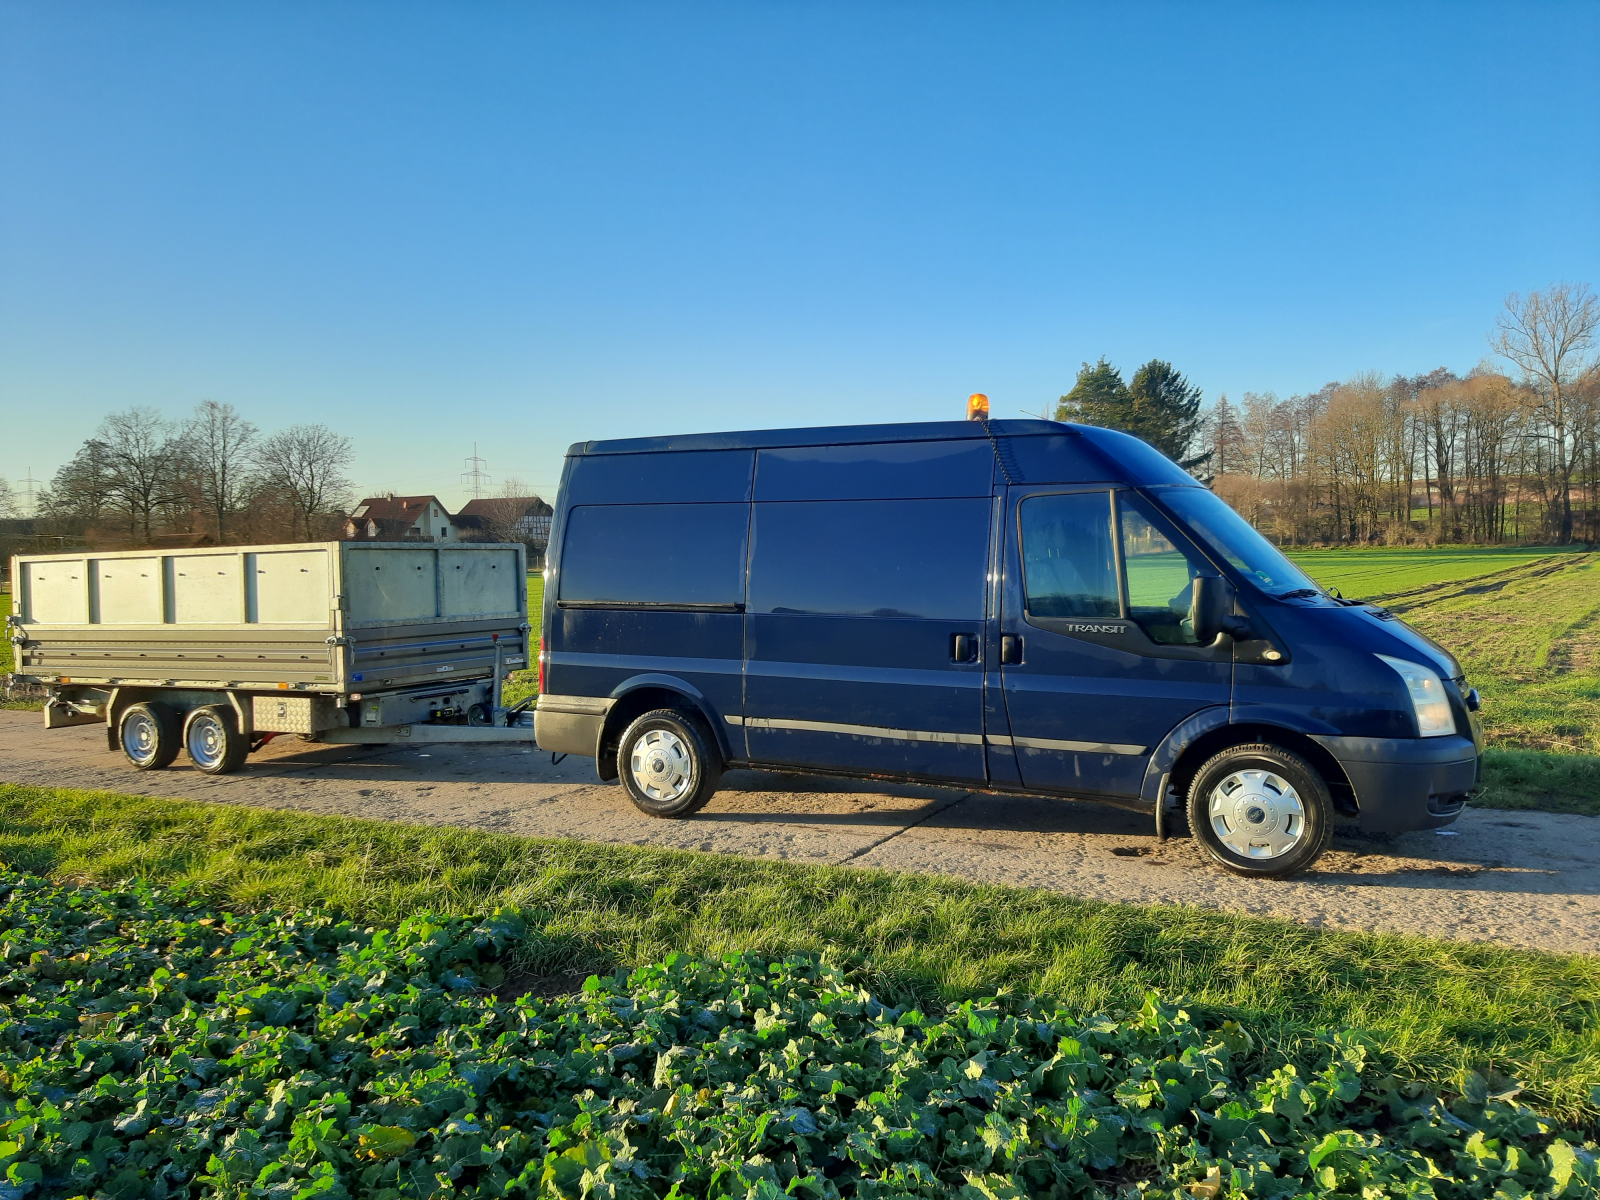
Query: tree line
{"type": "Point", "coordinates": [215, 473]}
{"type": "Point", "coordinates": [1492, 455]}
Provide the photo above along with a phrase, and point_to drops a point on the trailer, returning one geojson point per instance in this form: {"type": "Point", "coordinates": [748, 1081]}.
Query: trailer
{"type": "Point", "coordinates": [218, 650]}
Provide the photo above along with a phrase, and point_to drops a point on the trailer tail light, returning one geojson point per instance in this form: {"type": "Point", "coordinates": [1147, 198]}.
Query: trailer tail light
{"type": "Point", "coordinates": [541, 666]}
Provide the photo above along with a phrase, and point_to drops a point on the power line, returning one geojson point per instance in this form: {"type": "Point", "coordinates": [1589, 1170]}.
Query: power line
{"type": "Point", "coordinates": [475, 478]}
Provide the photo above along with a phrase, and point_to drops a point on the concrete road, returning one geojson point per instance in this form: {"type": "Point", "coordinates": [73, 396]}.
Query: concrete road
{"type": "Point", "coordinates": [1518, 879]}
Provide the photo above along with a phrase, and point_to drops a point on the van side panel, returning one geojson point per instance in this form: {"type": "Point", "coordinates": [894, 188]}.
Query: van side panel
{"type": "Point", "coordinates": [645, 578]}
{"type": "Point", "coordinates": [682, 477]}
{"type": "Point", "coordinates": [882, 471]}
{"type": "Point", "coordinates": [854, 608]}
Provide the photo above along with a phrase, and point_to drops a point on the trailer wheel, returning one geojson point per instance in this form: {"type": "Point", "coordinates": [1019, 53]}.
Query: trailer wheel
{"type": "Point", "coordinates": [213, 740]}
{"type": "Point", "coordinates": [668, 763]}
{"type": "Point", "coordinates": [149, 734]}
{"type": "Point", "coordinates": [1260, 811]}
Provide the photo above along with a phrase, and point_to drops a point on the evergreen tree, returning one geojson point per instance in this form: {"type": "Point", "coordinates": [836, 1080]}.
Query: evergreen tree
{"type": "Point", "coordinates": [1159, 406]}
{"type": "Point", "coordinates": [1166, 413]}
{"type": "Point", "coordinates": [1098, 397]}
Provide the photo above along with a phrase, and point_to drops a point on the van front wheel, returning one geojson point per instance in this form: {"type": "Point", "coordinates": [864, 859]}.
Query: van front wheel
{"type": "Point", "coordinates": [1260, 811]}
{"type": "Point", "coordinates": [668, 763]}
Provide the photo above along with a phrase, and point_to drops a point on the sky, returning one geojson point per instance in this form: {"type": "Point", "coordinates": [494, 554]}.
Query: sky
{"type": "Point", "coordinates": [430, 225]}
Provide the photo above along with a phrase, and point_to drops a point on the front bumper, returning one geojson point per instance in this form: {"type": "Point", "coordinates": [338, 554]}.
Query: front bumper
{"type": "Point", "coordinates": [1403, 784]}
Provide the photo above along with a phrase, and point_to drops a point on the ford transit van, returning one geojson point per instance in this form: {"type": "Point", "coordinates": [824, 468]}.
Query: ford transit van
{"type": "Point", "coordinates": [1006, 606]}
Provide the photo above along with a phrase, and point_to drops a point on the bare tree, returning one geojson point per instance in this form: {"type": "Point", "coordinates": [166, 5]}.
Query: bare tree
{"type": "Point", "coordinates": [144, 456]}
{"type": "Point", "coordinates": [1548, 335]}
{"type": "Point", "coordinates": [219, 442]}
{"type": "Point", "coordinates": [306, 464]}
{"type": "Point", "coordinates": [8, 500]}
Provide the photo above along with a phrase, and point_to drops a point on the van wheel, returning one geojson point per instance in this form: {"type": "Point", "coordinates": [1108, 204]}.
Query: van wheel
{"type": "Point", "coordinates": [668, 763]}
{"type": "Point", "coordinates": [213, 740]}
{"type": "Point", "coordinates": [149, 735]}
{"type": "Point", "coordinates": [1261, 811]}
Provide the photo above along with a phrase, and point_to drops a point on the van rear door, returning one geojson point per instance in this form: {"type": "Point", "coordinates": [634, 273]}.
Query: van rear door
{"type": "Point", "coordinates": [1098, 659]}
{"type": "Point", "coordinates": [866, 609]}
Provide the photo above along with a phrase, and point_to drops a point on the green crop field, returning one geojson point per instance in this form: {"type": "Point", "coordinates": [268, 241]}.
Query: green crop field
{"type": "Point", "coordinates": [159, 1044]}
{"type": "Point", "coordinates": [1434, 1009]}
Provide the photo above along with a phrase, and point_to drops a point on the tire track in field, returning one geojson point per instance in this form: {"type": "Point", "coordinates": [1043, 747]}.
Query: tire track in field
{"type": "Point", "coordinates": [1479, 585]}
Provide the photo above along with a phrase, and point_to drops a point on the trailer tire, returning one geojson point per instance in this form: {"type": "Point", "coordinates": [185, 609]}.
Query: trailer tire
{"type": "Point", "coordinates": [1260, 811]}
{"type": "Point", "coordinates": [212, 737]}
{"type": "Point", "coordinates": [150, 735]}
{"type": "Point", "coordinates": [669, 763]}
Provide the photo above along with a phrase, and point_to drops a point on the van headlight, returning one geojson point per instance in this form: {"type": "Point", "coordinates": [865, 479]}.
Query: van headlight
{"type": "Point", "coordinates": [1428, 701]}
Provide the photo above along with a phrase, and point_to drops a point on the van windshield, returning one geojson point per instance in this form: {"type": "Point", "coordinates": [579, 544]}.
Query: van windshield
{"type": "Point", "coordinates": [1231, 536]}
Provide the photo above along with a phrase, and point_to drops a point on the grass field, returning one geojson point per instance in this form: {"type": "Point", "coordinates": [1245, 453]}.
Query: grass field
{"type": "Point", "coordinates": [1436, 1009]}
{"type": "Point", "coordinates": [1382, 571]}
{"type": "Point", "coordinates": [1526, 628]}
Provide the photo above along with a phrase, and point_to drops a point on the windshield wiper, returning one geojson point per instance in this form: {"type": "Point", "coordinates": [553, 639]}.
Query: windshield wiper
{"type": "Point", "coordinates": [1297, 593]}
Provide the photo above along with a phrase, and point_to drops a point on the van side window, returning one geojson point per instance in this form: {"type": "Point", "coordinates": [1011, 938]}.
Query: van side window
{"type": "Point", "coordinates": [1160, 577]}
{"type": "Point", "coordinates": [655, 555]}
{"type": "Point", "coordinates": [1069, 564]}
{"type": "Point", "coordinates": [871, 558]}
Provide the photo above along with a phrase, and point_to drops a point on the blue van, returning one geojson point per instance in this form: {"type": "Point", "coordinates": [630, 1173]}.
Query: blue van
{"type": "Point", "coordinates": [1005, 606]}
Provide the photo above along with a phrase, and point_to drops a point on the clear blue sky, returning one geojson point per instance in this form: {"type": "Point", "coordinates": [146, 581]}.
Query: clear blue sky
{"type": "Point", "coordinates": [526, 225]}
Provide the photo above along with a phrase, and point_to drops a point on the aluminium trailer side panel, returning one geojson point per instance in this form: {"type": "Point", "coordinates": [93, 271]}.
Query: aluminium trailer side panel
{"type": "Point", "coordinates": [332, 616]}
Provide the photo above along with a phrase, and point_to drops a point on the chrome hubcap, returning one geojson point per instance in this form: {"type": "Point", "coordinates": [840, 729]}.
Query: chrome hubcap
{"type": "Point", "coordinates": [661, 765]}
{"type": "Point", "coordinates": [1257, 814]}
{"type": "Point", "coordinates": [207, 741]}
{"type": "Point", "coordinates": [139, 737]}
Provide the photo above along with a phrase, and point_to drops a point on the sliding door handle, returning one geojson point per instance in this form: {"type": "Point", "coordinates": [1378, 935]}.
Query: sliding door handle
{"type": "Point", "coordinates": [1011, 649]}
{"type": "Point", "coordinates": [964, 647]}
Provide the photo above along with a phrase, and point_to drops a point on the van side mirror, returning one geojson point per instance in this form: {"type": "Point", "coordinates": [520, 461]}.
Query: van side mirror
{"type": "Point", "coordinates": [1211, 610]}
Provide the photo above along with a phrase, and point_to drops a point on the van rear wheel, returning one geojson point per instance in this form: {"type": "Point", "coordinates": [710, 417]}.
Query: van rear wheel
{"type": "Point", "coordinates": [1260, 811]}
{"type": "Point", "coordinates": [668, 763]}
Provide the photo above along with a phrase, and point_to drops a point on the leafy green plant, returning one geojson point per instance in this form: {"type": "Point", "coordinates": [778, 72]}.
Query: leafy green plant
{"type": "Point", "coordinates": [151, 1045]}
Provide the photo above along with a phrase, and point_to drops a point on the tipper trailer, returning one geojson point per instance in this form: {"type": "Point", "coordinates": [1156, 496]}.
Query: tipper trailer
{"type": "Point", "coordinates": [219, 649]}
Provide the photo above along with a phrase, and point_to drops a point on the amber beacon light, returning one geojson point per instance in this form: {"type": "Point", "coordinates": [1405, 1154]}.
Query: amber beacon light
{"type": "Point", "coordinates": [977, 407]}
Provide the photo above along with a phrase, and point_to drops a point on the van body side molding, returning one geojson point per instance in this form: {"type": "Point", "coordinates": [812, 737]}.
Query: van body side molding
{"type": "Point", "coordinates": [1027, 743]}
{"type": "Point", "coordinates": [899, 735]}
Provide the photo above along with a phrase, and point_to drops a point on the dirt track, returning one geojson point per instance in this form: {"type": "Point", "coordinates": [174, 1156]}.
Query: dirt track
{"type": "Point", "coordinates": [1523, 879]}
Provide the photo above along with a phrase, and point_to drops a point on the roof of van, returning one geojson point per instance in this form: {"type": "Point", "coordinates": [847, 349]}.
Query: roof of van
{"type": "Point", "coordinates": [828, 435]}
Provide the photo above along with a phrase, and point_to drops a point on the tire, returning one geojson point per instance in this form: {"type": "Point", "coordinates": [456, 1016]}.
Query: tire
{"type": "Point", "coordinates": [150, 735]}
{"type": "Point", "coordinates": [668, 763]}
{"type": "Point", "coordinates": [212, 738]}
{"type": "Point", "coordinates": [1260, 811]}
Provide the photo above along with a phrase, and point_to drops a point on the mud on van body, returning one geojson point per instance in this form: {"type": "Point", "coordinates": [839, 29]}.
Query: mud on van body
{"type": "Point", "coordinates": [1011, 606]}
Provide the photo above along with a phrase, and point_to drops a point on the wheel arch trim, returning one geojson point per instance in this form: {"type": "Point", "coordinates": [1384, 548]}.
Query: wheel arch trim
{"type": "Point", "coordinates": [619, 712]}
{"type": "Point", "coordinates": [1213, 730]}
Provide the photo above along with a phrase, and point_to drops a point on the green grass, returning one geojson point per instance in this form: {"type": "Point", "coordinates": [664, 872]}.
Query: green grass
{"type": "Point", "coordinates": [1376, 572]}
{"type": "Point", "coordinates": [8, 661]}
{"type": "Point", "coordinates": [1532, 779]}
{"type": "Point", "coordinates": [1525, 625]}
{"type": "Point", "coordinates": [1437, 1009]}
{"type": "Point", "coordinates": [524, 684]}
